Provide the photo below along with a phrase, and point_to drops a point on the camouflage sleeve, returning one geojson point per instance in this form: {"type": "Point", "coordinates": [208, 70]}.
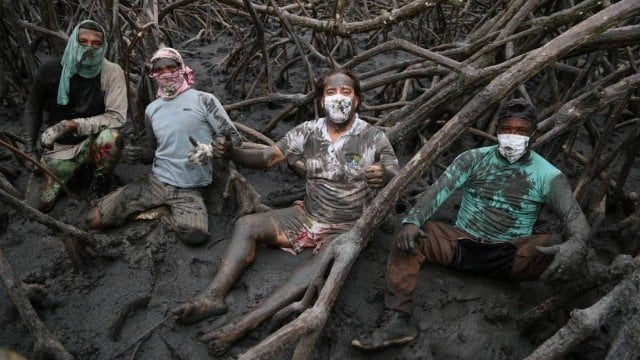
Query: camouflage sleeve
{"type": "Point", "coordinates": [292, 144]}
{"type": "Point", "coordinates": [560, 199]}
{"type": "Point", "coordinates": [219, 119]}
{"type": "Point", "coordinates": [429, 201]}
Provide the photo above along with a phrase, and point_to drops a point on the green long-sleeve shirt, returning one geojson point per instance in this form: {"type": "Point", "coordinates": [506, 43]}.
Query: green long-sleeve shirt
{"type": "Point", "coordinates": [502, 200]}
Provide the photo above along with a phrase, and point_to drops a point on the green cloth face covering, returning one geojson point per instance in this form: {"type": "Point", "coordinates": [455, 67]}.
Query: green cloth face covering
{"type": "Point", "coordinates": [79, 59]}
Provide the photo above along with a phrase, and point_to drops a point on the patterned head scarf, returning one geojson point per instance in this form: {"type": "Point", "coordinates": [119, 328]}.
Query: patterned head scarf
{"type": "Point", "coordinates": [187, 72]}
{"type": "Point", "coordinates": [79, 59]}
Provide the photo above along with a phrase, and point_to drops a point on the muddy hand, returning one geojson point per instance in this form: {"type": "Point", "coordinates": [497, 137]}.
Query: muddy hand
{"type": "Point", "coordinates": [568, 260]}
{"type": "Point", "coordinates": [375, 176]}
{"type": "Point", "coordinates": [408, 237]}
{"type": "Point", "coordinates": [52, 133]}
{"type": "Point", "coordinates": [201, 153]}
{"type": "Point", "coordinates": [222, 147]}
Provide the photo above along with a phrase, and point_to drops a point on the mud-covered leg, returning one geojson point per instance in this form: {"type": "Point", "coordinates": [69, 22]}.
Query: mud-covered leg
{"type": "Point", "coordinates": [248, 230]}
{"type": "Point", "coordinates": [104, 152]}
{"type": "Point", "coordinates": [221, 340]}
{"type": "Point", "coordinates": [42, 191]}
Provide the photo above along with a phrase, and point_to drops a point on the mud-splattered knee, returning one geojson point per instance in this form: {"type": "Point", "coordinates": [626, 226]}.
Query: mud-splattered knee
{"type": "Point", "coordinates": [107, 148]}
{"type": "Point", "coordinates": [191, 236]}
{"type": "Point", "coordinates": [110, 137]}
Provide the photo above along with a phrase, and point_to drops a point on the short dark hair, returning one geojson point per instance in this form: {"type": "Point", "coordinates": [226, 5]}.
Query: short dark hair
{"type": "Point", "coordinates": [90, 25]}
{"type": "Point", "coordinates": [323, 81]}
{"type": "Point", "coordinates": [519, 108]}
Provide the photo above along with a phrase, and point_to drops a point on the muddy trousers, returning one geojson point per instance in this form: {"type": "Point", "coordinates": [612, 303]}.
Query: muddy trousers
{"type": "Point", "coordinates": [447, 245]}
{"type": "Point", "coordinates": [102, 151]}
{"type": "Point", "coordinates": [187, 213]}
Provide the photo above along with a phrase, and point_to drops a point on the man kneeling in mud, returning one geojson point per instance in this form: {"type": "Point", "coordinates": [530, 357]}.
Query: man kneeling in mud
{"type": "Point", "coordinates": [82, 98]}
{"type": "Point", "coordinates": [505, 187]}
{"type": "Point", "coordinates": [180, 112]}
{"type": "Point", "coordinates": [346, 161]}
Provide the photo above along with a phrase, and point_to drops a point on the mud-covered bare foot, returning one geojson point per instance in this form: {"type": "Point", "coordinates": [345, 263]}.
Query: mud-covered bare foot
{"type": "Point", "coordinates": [198, 309]}
{"type": "Point", "coordinates": [217, 342]}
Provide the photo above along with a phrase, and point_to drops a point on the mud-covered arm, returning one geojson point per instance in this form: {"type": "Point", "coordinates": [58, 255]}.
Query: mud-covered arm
{"type": "Point", "coordinates": [257, 158]}
{"type": "Point", "coordinates": [385, 167]}
{"type": "Point", "coordinates": [568, 257]}
{"type": "Point", "coordinates": [429, 201]}
{"type": "Point", "coordinates": [560, 199]}
{"type": "Point", "coordinates": [387, 157]}
{"type": "Point", "coordinates": [150, 142]}
{"type": "Point", "coordinates": [219, 119]}
{"type": "Point", "coordinates": [32, 117]}
{"type": "Point", "coordinates": [115, 103]}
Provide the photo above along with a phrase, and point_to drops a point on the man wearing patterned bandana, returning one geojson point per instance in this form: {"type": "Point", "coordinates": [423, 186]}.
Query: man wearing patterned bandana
{"type": "Point", "coordinates": [179, 113]}
{"type": "Point", "coordinates": [505, 188]}
{"type": "Point", "coordinates": [346, 162]}
{"type": "Point", "coordinates": [85, 98]}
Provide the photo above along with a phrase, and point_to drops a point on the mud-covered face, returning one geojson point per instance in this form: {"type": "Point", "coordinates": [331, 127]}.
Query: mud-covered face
{"type": "Point", "coordinates": [339, 99]}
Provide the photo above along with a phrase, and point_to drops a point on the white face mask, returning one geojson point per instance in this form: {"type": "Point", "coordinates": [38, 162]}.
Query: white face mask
{"type": "Point", "coordinates": [512, 146]}
{"type": "Point", "coordinates": [337, 108]}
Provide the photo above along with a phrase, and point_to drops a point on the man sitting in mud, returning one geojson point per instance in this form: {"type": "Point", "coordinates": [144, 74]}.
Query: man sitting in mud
{"type": "Point", "coordinates": [85, 98]}
{"type": "Point", "coordinates": [346, 161]}
{"type": "Point", "coordinates": [505, 187]}
{"type": "Point", "coordinates": [179, 113]}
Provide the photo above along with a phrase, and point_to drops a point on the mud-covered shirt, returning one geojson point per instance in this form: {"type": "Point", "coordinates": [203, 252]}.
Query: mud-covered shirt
{"type": "Point", "coordinates": [193, 113]}
{"type": "Point", "coordinates": [336, 190]}
{"type": "Point", "coordinates": [501, 200]}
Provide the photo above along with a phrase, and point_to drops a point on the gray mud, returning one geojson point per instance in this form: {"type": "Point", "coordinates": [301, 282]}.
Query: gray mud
{"type": "Point", "coordinates": [96, 314]}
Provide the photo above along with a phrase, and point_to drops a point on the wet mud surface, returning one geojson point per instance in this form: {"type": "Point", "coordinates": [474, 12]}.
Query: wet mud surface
{"type": "Point", "coordinates": [101, 313]}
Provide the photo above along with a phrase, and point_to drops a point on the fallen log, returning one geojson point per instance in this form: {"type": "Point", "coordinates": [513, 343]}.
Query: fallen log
{"type": "Point", "coordinates": [626, 345]}
{"type": "Point", "coordinates": [69, 233]}
{"type": "Point", "coordinates": [619, 268]}
{"type": "Point", "coordinates": [585, 322]}
{"type": "Point", "coordinates": [44, 219]}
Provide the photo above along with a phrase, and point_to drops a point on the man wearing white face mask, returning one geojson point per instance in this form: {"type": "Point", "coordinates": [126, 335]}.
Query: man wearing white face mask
{"type": "Point", "coordinates": [505, 188]}
{"type": "Point", "coordinates": [346, 162]}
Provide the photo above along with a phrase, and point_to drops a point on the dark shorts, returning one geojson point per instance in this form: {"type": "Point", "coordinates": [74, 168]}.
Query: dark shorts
{"type": "Point", "coordinates": [447, 245]}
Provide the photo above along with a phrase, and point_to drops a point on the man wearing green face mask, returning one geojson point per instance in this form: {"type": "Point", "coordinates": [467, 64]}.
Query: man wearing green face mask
{"type": "Point", "coordinates": [85, 101]}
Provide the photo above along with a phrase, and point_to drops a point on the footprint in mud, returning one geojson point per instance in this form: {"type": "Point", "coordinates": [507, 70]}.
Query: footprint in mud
{"type": "Point", "coordinates": [201, 268]}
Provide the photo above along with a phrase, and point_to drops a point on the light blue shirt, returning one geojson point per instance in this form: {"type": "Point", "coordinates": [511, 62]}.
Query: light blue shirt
{"type": "Point", "coordinates": [193, 113]}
